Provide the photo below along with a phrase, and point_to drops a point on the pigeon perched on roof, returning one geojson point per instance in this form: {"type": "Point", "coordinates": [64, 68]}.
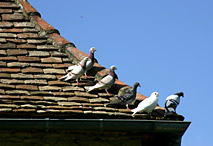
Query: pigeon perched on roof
{"type": "Point", "coordinates": [127, 97]}
{"type": "Point", "coordinates": [147, 105]}
{"type": "Point", "coordinates": [106, 82]}
{"type": "Point", "coordinates": [77, 71]}
{"type": "Point", "coordinates": [172, 102]}
{"type": "Point", "coordinates": [89, 63]}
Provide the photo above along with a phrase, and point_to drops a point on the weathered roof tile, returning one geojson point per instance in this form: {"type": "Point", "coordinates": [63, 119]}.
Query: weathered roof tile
{"type": "Point", "coordinates": [28, 59]}
{"type": "Point", "coordinates": [27, 46]}
{"type": "Point", "coordinates": [85, 94]}
{"type": "Point", "coordinates": [23, 24]}
{"type": "Point", "coordinates": [36, 82]}
{"type": "Point", "coordinates": [6, 11]}
{"type": "Point", "coordinates": [54, 71]}
{"type": "Point", "coordinates": [5, 75]}
{"type": "Point", "coordinates": [8, 35]}
{"type": "Point", "coordinates": [9, 5]}
{"type": "Point", "coordinates": [36, 41]}
{"type": "Point", "coordinates": [13, 17]}
{"type": "Point", "coordinates": [11, 58]}
{"type": "Point", "coordinates": [11, 81]}
{"type": "Point", "coordinates": [10, 70]}
{"type": "Point", "coordinates": [32, 70]}
{"type": "Point", "coordinates": [6, 24]}
{"type": "Point", "coordinates": [81, 99]}
{"type": "Point", "coordinates": [15, 52]}
{"type": "Point", "coordinates": [98, 100]}
{"type": "Point", "coordinates": [49, 88]}
{"type": "Point", "coordinates": [27, 35]}
{"type": "Point", "coordinates": [51, 60]}
{"type": "Point", "coordinates": [27, 87]}
{"type": "Point", "coordinates": [17, 64]}
{"type": "Point", "coordinates": [18, 92]}
{"type": "Point", "coordinates": [22, 76]}
{"type": "Point", "coordinates": [59, 83]}
{"type": "Point", "coordinates": [69, 103]}
{"type": "Point", "coordinates": [3, 52]}
{"type": "Point", "coordinates": [16, 40]}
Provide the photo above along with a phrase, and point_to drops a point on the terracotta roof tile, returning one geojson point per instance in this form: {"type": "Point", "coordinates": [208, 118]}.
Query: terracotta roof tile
{"type": "Point", "coordinates": [33, 57]}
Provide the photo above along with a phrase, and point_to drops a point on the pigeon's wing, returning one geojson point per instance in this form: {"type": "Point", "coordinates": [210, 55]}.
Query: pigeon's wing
{"type": "Point", "coordinates": [106, 80]}
{"type": "Point", "coordinates": [77, 70]}
{"type": "Point", "coordinates": [70, 68]}
{"type": "Point", "coordinates": [116, 101]}
{"type": "Point", "coordinates": [127, 96]}
{"type": "Point", "coordinates": [116, 76]}
{"type": "Point", "coordinates": [95, 60]}
{"type": "Point", "coordinates": [171, 103]}
{"type": "Point", "coordinates": [89, 65]}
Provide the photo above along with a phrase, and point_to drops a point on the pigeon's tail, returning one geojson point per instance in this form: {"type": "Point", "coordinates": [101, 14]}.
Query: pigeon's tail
{"type": "Point", "coordinates": [134, 110]}
{"type": "Point", "coordinates": [63, 77]}
{"type": "Point", "coordinates": [91, 88]}
{"type": "Point", "coordinates": [68, 77]}
{"type": "Point", "coordinates": [116, 101]}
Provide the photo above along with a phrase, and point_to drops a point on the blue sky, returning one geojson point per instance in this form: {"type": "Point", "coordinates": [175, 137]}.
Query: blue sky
{"type": "Point", "coordinates": [166, 46]}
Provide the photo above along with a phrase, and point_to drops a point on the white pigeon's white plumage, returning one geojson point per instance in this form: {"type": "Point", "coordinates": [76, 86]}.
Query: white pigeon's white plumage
{"type": "Point", "coordinates": [76, 71]}
{"type": "Point", "coordinates": [89, 63]}
{"type": "Point", "coordinates": [147, 105]}
{"type": "Point", "coordinates": [106, 82]}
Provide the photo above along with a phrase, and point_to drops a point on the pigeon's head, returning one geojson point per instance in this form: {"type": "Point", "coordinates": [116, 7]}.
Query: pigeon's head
{"type": "Point", "coordinates": [112, 68]}
{"type": "Point", "coordinates": [92, 50]}
{"type": "Point", "coordinates": [137, 84]}
{"type": "Point", "coordinates": [155, 94]}
{"type": "Point", "coordinates": [179, 94]}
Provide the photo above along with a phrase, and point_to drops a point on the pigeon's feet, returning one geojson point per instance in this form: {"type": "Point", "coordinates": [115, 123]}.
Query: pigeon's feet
{"type": "Point", "coordinates": [87, 76]}
{"type": "Point", "coordinates": [110, 94]}
{"type": "Point", "coordinates": [78, 83]}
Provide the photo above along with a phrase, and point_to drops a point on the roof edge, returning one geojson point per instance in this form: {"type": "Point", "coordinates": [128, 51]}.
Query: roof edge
{"type": "Point", "coordinates": [98, 125]}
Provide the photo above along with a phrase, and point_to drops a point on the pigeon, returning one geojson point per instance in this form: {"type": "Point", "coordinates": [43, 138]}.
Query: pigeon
{"type": "Point", "coordinates": [77, 71]}
{"type": "Point", "coordinates": [127, 97]}
{"type": "Point", "coordinates": [89, 63]}
{"type": "Point", "coordinates": [147, 105]}
{"type": "Point", "coordinates": [172, 102]}
{"type": "Point", "coordinates": [106, 82]}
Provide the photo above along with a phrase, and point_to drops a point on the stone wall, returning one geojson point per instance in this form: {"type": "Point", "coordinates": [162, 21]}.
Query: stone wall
{"type": "Point", "coordinates": [68, 138]}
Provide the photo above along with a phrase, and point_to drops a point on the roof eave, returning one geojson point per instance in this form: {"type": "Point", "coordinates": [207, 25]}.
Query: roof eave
{"type": "Point", "coordinates": [98, 125]}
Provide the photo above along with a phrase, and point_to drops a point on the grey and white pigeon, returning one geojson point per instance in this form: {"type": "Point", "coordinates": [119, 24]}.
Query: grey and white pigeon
{"type": "Point", "coordinates": [147, 105]}
{"type": "Point", "coordinates": [106, 82]}
{"type": "Point", "coordinates": [89, 63]}
{"type": "Point", "coordinates": [77, 71]}
{"type": "Point", "coordinates": [172, 102]}
{"type": "Point", "coordinates": [127, 97]}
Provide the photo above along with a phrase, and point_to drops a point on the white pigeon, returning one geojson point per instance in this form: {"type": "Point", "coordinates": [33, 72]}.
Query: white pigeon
{"type": "Point", "coordinates": [147, 105]}
{"type": "Point", "coordinates": [172, 102]}
{"type": "Point", "coordinates": [89, 63]}
{"type": "Point", "coordinates": [76, 71]}
{"type": "Point", "coordinates": [106, 82]}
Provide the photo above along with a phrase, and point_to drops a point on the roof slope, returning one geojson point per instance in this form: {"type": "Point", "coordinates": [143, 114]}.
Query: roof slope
{"type": "Point", "coordinates": [33, 56]}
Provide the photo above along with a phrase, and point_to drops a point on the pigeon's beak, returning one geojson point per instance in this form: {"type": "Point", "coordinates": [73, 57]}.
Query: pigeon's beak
{"type": "Point", "coordinates": [139, 85]}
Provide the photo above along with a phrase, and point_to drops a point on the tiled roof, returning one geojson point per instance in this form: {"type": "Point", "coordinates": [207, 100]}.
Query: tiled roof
{"type": "Point", "coordinates": [33, 56]}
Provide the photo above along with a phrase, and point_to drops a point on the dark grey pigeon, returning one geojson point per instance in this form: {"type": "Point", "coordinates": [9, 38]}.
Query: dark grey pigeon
{"type": "Point", "coordinates": [127, 97]}
{"type": "Point", "coordinates": [172, 102]}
